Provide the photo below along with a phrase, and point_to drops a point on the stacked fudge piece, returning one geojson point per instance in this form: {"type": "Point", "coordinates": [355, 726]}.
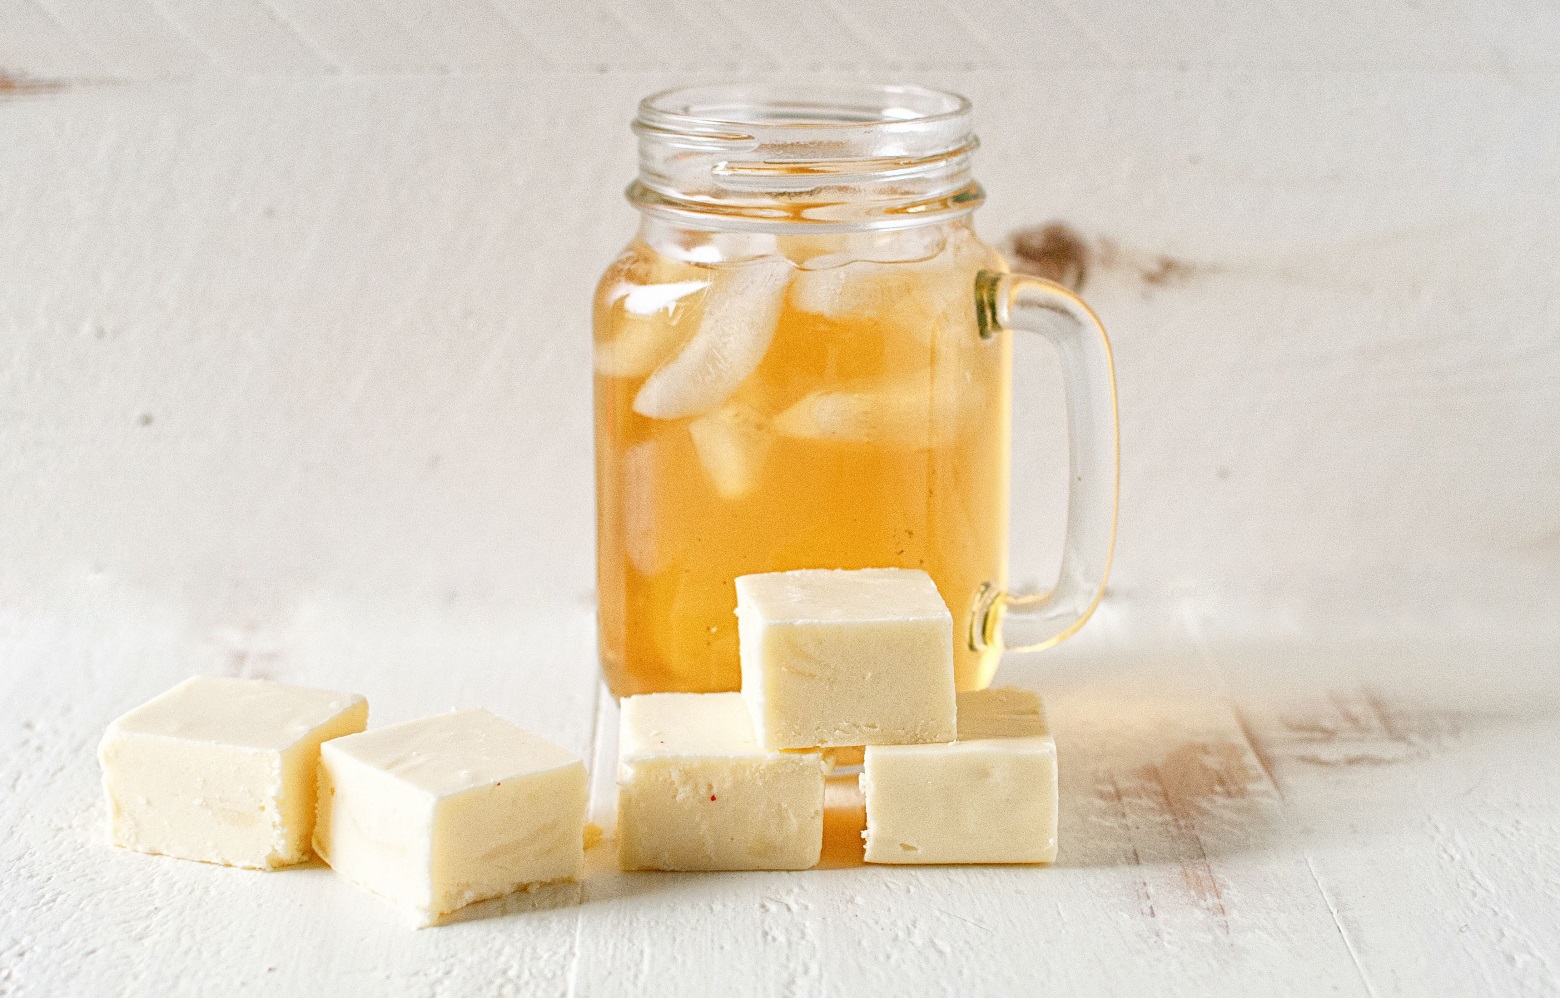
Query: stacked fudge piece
{"type": "Point", "coordinates": [833, 660]}
{"type": "Point", "coordinates": [432, 815]}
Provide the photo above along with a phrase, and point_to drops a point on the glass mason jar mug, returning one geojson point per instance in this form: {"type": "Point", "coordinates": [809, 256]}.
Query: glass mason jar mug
{"type": "Point", "coordinates": [803, 361]}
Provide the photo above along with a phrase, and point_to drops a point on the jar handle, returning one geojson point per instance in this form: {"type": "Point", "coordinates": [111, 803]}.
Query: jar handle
{"type": "Point", "coordinates": [1029, 621]}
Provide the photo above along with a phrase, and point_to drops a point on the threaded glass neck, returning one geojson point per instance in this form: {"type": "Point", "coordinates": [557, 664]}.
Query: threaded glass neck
{"type": "Point", "coordinates": [829, 158]}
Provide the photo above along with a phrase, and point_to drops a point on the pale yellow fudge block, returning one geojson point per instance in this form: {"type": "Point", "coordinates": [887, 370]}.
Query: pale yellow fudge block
{"type": "Point", "coordinates": [840, 658]}
{"type": "Point", "coordinates": [989, 797]}
{"type": "Point", "coordinates": [442, 812]}
{"type": "Point", "coordinates": [221, 770]}
{"type": "Point", "coordinates": [697, 792]}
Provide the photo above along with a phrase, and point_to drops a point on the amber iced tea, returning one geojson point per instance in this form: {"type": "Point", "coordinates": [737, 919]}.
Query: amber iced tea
{"type": "Point", "coordinates": [767, 403]}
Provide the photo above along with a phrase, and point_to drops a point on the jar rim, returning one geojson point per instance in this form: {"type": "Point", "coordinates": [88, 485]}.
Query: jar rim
{"type": "Point", "coordinates": [737, 109]}
{"type": "Point", "coordinates": [854, 154]}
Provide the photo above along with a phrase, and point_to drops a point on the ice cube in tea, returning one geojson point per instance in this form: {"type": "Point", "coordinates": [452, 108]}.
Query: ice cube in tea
{"type": "Point", "coordinates": [741, 309]}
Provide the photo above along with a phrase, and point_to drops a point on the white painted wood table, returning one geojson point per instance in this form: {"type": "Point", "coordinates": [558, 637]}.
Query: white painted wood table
{"type": "Point", "coordinates": [293, 356]}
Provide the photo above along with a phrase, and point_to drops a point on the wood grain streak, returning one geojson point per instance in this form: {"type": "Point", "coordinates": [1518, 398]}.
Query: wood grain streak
{"type": "Point", "coordinates": [1343, 933]}
{"type": "Point", "coordinates": [14, 86]}
{"type": "Point", "coordinates": [1361, 727]}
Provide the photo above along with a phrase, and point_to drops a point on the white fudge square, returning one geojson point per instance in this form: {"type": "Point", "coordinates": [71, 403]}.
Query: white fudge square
{"type": "Point", "coordinates": [438, 813]}
{"type": "Point", "coordinates": [838, 658]}
{"type": "Point", "coordinates": [221, 770]}
{"type": "Point", "coordinates": [697, 792]}
{"type": "Point", "coordinates": [989, 797]}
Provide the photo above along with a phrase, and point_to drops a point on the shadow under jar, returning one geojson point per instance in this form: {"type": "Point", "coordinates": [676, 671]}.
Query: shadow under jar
{"type": "Point", "coordinates": [803, 361]}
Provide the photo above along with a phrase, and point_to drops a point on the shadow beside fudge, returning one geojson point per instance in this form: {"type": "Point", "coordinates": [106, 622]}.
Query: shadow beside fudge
{"type": "Point", "coordinates": [542, 897]}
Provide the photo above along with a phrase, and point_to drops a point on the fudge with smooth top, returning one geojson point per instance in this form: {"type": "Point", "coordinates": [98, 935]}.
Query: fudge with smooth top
{"type": "Point", "coordinates": [837, 658]}
{"type": "Point", "coordinates": [989, 797]}
{"type": "Point", "coordinates": [697, 792]}
{"type": "Point", "coordinates": [222, 770]}
{"type": "Point", "coordinates": [442, 812]}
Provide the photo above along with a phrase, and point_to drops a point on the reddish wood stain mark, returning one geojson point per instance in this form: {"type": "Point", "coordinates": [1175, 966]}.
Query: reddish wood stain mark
{"type": "Point", "coordinates": [1201, 772]}
{"type": "Point", "coordinates": [1161, 813]}
{"type": "Point", "coordinates": [1192, 778]}
{"type": "Point", "coordinates": [1058, 252]}
{"type": "Point", "coordinates": [1145, 896]}
{"type": "Point", "coordinates": [1196, 872]}
{"type": "Point", "coordinates": [1258, 750]}
{"type": "Point", "coordinates": [1364, 727]}
{"type": "Point", "coordinates": [1151, 268]}
{"type": "Point", "coordinates": [12, 85]}
{"type": "Point", "coordinates": [712, 796]}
